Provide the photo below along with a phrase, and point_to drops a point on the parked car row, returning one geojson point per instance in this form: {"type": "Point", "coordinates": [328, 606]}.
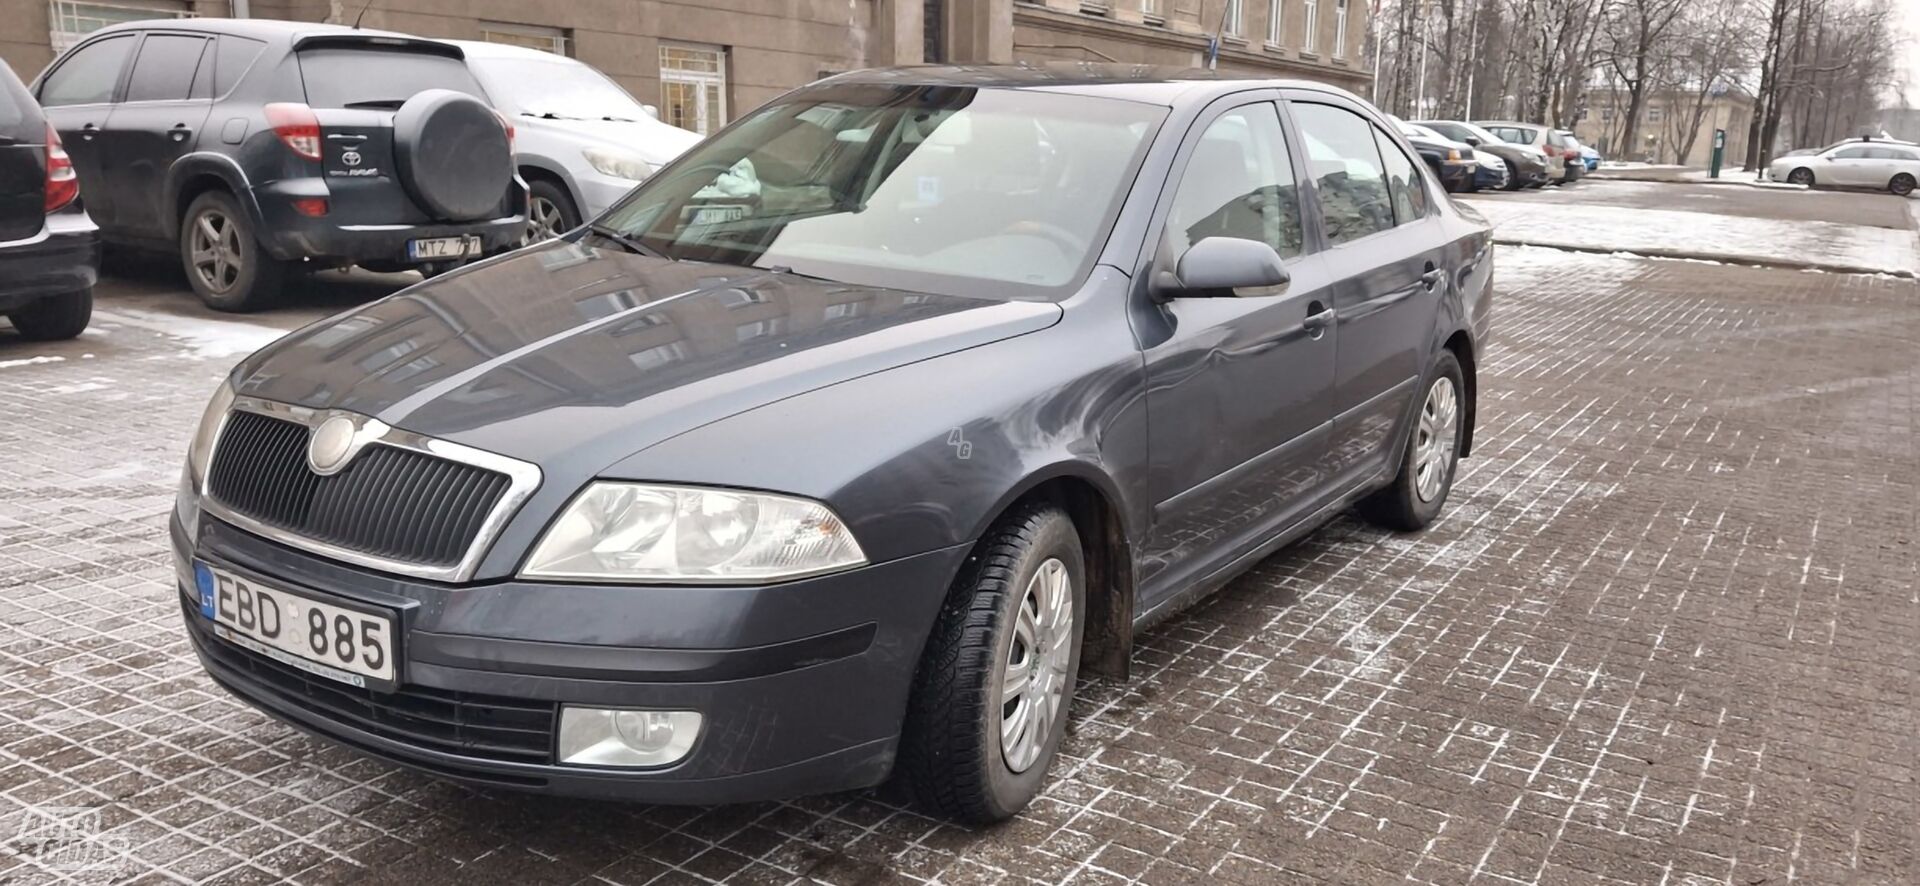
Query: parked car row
{"type": "Point", "coordinates": [257, 148]}
{"type": "Point", "coordinates": [1877, 163]}
{"type": "Point", "coordinates": [1495, 155]}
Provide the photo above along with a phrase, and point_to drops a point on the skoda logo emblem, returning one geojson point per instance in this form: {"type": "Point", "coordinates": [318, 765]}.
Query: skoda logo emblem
{"type": "Point", "coordinates": [330, 445]}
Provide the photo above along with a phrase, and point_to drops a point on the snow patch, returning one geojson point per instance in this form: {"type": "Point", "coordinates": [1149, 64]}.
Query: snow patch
{"type": "Point", "coordinates": [204, 338]}
{"type": "Point", "coordinates": [29, 361]}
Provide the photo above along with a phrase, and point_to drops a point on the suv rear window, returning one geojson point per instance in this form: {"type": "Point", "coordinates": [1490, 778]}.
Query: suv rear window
{"type": "Point", "coordinates": [376, 77]}
{"type": "Point", "coordinates": [19, 119]}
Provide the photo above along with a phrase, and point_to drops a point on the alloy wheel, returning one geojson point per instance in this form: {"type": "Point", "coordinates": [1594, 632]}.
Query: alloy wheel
{"type": "Point", "coordinates": [1800, 177]}
{"type": "Point", "coordinates": [214, 250]}
{"type": "Point", "coordinates": [544, 221]}
{"type": "Point", "coordinates": [1438, 431]}
{"type": "Point", "coordinates": [1034, 679]}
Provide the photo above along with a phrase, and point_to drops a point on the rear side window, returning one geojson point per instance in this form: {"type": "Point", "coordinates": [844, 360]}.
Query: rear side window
{"type": "Point", "coordinates": [1403, 181]}
{"type": "Point", "coordinates": [1350, 184]}
{"type": "Point", "coordinates": [164, 71]}
{"type": "Point", "coordinates": [379, 78]}
{"type": "Point", "coordinates": [232, 59]}
{"type": "Point", "coordinates": [88, 75]}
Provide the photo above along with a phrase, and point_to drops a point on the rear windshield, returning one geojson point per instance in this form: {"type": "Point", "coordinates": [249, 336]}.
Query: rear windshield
{"type": "Point", "coordinates": [19, 117]}
{"type": "Point", "coordinates": [376, 77]}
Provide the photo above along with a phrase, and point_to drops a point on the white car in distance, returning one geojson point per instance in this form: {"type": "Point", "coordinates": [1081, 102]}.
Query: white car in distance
{"type": "Point", "coordinates": [581, 142]}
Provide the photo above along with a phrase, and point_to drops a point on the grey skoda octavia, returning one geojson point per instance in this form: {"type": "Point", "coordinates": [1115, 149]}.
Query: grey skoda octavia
{"type": "Point", "coordinates": [842, 447]}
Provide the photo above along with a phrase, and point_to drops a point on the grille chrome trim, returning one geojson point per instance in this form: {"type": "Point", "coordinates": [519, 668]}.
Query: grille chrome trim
{"type": "Point", "coordinates": [522, 479]}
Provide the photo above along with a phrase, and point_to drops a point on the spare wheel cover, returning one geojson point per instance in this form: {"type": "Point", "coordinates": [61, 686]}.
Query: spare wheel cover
{"type": "Point", "coordinates": [451, 153]}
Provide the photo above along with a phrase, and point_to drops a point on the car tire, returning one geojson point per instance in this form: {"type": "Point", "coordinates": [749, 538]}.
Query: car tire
{"type": "Point", "coordinates": [1902, 185]}
{"type": "Point", "coordinates": [237, 274]}
{"type": "Point", "coordinates": [967, 753]}
{"type": "Point", "coordinates": [1432, 452]}
{"type": "Point", "coordinates": [1801, 176]}
{"type": "Point", "coordinates": [54, 318]}
{"type": "Point", "coordinates": [1513, 177]}
{"type": "Point", "coordinates": [550, 211]}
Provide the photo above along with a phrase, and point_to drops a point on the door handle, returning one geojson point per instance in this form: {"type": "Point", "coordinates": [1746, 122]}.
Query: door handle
{"type": "Point", "coordinates": [1432, 277]}
{"type": "Point", "coordinates": [87, 131]}
{"type": "Point", "coordinates": [179, 132]}
{"type": "Point", "coordinates": [1317, 321]}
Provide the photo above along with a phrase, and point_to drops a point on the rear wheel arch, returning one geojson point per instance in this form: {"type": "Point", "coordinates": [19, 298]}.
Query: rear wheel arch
{"type": "Point", "coordinates": [1097, 516]}
{"type": "Point", "coordinates": [1461, 345]}
{"type": "Point", "coordinates": [194, 175]}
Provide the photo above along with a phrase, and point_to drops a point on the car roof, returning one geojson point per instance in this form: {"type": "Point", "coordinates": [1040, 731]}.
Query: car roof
{"type": "Point", "coordinates": [1153, 84]}
{"type": "Point", "coordinates": [256, 28]}
{"type": "Point", "coordinates": [1510, 123]}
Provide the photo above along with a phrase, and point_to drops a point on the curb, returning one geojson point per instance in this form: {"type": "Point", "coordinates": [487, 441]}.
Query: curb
{"type": "Point", "coordinates": [1748, 261]}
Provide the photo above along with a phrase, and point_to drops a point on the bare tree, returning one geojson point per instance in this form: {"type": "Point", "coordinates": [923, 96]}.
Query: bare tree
{"type": "Point", "coordinates": [1636, 44]}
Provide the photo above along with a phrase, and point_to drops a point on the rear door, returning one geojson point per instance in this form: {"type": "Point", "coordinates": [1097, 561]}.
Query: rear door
{"type": "Point", "coordinates": [354, 88]}
{"type": "Point", "coordinates": [23, 160]}
{"type": "Point", "coordinates": [77, 94]}
{"type": "Point", "coordinates": [157, 121]}
{"type": "Point", "coordinates": [1385, 251]}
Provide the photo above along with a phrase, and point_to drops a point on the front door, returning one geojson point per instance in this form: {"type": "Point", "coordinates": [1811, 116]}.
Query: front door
{"type": "Point", "coordinates": [1385, 254]}
{"type": "Point", "coordinates": [1238, 388]}
{"type": "Point", "coordinates": [155, 123]}
{"type": "Point", "coordinates": [78, 95]}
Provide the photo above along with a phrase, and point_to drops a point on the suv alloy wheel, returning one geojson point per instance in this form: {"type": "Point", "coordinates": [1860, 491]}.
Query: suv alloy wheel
{"type": "Point", "coordinates": [224, 262]}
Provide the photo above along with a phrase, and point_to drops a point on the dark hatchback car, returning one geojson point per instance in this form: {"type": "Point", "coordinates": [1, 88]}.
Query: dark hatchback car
{"type": "Point", "coordinates": [49, 251]}
{"type": "Point", "coordinates": [845, 443]}
{"type": "Point", "coordinates": [257, 147]}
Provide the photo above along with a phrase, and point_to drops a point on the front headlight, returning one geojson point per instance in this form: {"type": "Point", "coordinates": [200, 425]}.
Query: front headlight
{"type": "Point", "coordinates": [200, 451]}
{"type": "Point", "coordinates": [618, 164]}
{"type": "Point", "coordinates": [643, 532]}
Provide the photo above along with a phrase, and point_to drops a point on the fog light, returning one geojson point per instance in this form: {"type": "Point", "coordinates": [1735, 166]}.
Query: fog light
{"type": "Point", "coordinates": [311, 207]}
{"type": "Point", "coordinates": [611, 737]}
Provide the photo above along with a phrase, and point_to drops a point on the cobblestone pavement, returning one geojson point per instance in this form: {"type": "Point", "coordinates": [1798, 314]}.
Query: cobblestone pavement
{"type": "Point", "coordinates": [1664, 634]}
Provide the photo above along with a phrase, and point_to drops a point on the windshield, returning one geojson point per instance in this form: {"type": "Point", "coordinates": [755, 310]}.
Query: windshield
{"type": "Point", "coordinates": [915, 187]}
{"type": "Point", "coordinates": [1461, 131]}
{"type": "Point", "coordinates": [556, 88]}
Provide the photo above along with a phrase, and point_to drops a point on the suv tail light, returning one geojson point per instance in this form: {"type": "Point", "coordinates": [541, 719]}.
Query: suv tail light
{"type": "Point", "coordinates": [296, 126]}
{"type": "Point", "coordinates": [63, 183]}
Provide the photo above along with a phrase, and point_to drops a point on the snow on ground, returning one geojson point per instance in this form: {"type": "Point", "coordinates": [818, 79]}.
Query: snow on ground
{"type": "Point", "coordinates": [29, 361]}
{"type": "Point", "coordinates": [203, 337]}
{"type": "Point", "coordinates": [1702, 235]}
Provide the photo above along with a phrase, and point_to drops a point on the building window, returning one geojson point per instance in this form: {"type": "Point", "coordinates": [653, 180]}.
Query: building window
{"type": "Point", "coordinates": [693, 87]}
{"type": "Point", "coordinates": [71, 21]}
{"type": "Point", "coordinates": [1606, 114]}
{"type": "Point", "coordinates": [1311, 21]}
{"type": "Point", "coordinates": [1234, 25]}
{"type": "Point", "coordinates": [1655, 115]}
{"type": "Point", "coordinates": [554, 40]}
{"type": "Point", "coordinates": [1339, 28]}
{"type": "Point", "coordinates": [1273, 21]}
{"type": "Point", "coordinates": [1150, 9]}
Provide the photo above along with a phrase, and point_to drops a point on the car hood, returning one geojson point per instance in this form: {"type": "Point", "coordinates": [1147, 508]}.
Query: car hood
{"type": "Point", "coordinates": [568, 352]}
{"type": "Point", "coordinates": [654, 141]}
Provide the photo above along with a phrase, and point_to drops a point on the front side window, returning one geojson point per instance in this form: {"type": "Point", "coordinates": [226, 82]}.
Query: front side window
{"type": "Point", "coordinates": [915, 187]}
{"type": "Point", "coordinates": [1350, 182]}
{"type": "Point", "coordinates": [693, 87]}
{"type": "Point", "coordinates": [89, 75]}
{"type": "Point", "coordinates": [1238, 183]}
{"type": "Point", "coordinates": [1850, 154]}
{"type": "Point", "coordinates": [165, 68]}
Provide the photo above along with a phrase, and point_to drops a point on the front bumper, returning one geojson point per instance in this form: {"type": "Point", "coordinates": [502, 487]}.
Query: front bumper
{"type": "Point", "coordinates": [64, 257]}
{"type": "Point", "coordinates": [802, 685]}
{"type": "Point", "coordinates": [599, 192]}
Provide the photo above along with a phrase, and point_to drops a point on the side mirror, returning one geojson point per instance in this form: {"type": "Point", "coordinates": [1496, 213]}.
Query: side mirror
{"type": "Point", "coordinates": [1474, 141]}
{"type": "Point", "coordinates": [1227, 266]}
{"type": "Point", "coordinates": [652, 111]}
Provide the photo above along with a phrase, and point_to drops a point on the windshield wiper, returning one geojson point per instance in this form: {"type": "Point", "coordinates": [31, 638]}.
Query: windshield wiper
{"type": "Point", "coordinates": [787, 270]}
{"type": "Point", "coordinates": [624, 240]}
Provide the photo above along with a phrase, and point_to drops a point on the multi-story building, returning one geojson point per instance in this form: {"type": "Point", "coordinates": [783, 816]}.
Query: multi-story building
{"type": "Point", "coordinates": [702, 61]}
{"type": "Point", "coordinates": [1676, 126]}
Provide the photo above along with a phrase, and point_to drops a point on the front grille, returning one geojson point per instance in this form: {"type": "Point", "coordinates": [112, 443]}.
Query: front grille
{"type": "Point", "coordinates": [391, 503]}
{"type": "Point", "coordinates": [486, 727]}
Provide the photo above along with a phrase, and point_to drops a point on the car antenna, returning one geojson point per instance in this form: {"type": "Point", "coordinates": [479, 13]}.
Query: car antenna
{"type": "Point", "coordinates": [362, 15]}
